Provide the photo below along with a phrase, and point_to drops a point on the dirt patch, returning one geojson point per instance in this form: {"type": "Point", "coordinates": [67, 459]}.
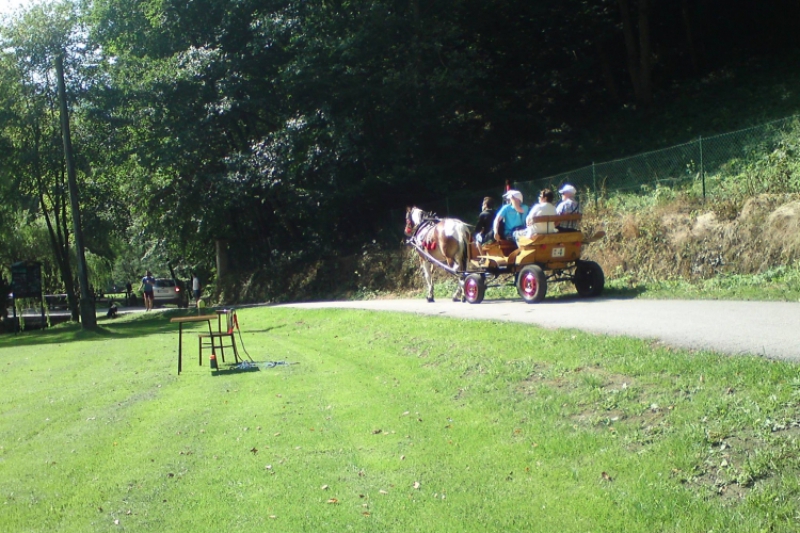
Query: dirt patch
{"type": "Point", "coordinates": [784, 227]}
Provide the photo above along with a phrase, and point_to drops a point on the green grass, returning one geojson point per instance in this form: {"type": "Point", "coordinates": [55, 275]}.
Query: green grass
{"type": "Point", "coordinates": [389, 422]}
{"type": "Point", "coordinates": [777, 284]}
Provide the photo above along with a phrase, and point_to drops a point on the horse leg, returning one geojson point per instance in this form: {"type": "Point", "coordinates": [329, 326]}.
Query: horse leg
{"type": "Point", "coordinates": [426, 270]}
{"type": "Point", "coordinates": [454, 260]}
{"type": "Point", "coordinates": [458, 296]}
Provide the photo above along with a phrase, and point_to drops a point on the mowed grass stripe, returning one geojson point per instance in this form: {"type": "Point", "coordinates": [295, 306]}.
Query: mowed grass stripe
{"type": "Point", "coordinates": [385, 422]}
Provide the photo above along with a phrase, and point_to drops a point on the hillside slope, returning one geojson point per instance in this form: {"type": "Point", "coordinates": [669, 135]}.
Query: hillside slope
{"type": "Point", "coordinates": [684, 239]}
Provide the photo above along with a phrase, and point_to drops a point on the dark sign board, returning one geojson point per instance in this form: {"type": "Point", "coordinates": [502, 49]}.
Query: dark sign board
{"type": "Point", "coordinates": [26, 279]}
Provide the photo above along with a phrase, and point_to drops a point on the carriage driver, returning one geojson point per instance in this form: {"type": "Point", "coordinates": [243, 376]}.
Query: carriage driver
{"type": "Point", "coordinates": [483, 228]}
{"type": "Point", "coordinates": [511, 216]}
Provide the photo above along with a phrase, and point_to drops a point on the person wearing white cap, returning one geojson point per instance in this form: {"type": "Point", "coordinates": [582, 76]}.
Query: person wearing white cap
{"type": "Point", "coordinates": [544, 208]}
{"type": "Point", "coordinates": [511, 216]}
{"type": "Point", "coordinates": [568, 206]}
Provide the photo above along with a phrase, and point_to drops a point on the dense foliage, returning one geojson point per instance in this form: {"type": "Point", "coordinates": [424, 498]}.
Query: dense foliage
{"type": "Point", "coordinates": [281, 131]}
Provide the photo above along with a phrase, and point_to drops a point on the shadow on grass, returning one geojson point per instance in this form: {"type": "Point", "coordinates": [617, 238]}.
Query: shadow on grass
{"type": "Point", "coordinates": [264, 330]}
{"type": "Point", "coordinates": [124, 327]}
{"type": "Point", "coordinates": [234, 369]}
{"type": "Point", "coordinates": [247, 367]}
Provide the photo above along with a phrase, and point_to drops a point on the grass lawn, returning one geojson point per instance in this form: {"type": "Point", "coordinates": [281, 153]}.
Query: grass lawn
{"type": "Point", "coordinates": [389, 422]}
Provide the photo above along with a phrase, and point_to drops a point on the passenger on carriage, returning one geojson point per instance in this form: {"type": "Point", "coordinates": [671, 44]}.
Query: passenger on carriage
{"type": "Point", "coordinates": [545, 207]}
{"type": "Point", "coordinates": [483, 228]}
{"type": "Point", "coordinates": [568, 206]}
{"type": "Point", "coordinates": [511, 217]}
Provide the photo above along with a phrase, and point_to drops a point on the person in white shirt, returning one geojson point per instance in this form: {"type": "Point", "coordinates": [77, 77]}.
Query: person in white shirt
{"type": "Point", "coordinates": [545, 207]}
{"type": "Point", "coordinates": [195, 287]}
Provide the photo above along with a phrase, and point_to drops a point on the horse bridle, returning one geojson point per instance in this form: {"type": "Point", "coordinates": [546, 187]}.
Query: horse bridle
{"type": "Point", "coordinates": [411, 229]}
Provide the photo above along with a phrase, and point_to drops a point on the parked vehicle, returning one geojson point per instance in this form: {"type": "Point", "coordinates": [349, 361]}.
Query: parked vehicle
{"type": "Point", "coordinates": [56, 301]}
{"type": "Point", "coordinates": [170, 291]}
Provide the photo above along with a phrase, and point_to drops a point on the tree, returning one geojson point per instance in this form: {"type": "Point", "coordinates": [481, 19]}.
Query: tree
{"type": "Point", "coordinates": [288, 128]}
{"type": "Point", "coordinates": [38, 43]}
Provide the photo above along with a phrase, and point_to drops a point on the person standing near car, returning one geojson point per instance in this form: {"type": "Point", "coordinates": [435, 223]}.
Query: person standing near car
{"type": "Point", "coordinates": [148, 282]}
{"type": "Point", "coordinates": [196, 288]}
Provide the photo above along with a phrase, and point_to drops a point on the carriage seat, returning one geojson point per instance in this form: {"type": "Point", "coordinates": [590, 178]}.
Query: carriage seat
{"type": "Point", "coordinates": [495, 253]}
{"type": "Point", "coordinates": [555, 219]}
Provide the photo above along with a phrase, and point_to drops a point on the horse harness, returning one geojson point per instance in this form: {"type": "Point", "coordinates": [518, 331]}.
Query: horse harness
{"type": "Point", "coordinates": [423, 233]}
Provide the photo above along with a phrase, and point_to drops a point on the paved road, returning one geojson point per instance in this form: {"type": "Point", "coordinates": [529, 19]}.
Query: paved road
{"type": "Point", "coordinates": [768, 329]}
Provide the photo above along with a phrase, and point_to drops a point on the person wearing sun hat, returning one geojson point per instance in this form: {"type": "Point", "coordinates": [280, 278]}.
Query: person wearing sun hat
{"type": "Point", "coordinates": [510, 217]}
{"type": "Point", "coordinates": [568, 206]}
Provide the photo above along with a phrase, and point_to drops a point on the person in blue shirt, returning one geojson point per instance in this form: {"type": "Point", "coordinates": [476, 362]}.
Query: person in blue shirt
{"type": "Point", "coordinates": [148, 282]}
{"type": "Point", "coordinates": [510, 217]}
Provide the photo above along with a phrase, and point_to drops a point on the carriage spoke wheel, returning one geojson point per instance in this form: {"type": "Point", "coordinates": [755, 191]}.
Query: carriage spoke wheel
{"type": "Point", "coordinates": [532, 284]}
{"type": "Point", "coordinates": [474, 288]}
{"type": "Point", "coordinates": [589, 279]}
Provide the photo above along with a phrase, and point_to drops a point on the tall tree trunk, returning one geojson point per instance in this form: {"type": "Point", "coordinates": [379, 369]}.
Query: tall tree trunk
{"type": "Point", "coordinates": [58, 231]}
{"type": "Point", "coordinates": [59, 242]}
{"type": "Point", "coordinates": [638, 54]}
{"type": "Point", "coordinates": [645, 54]}
{"type": "Point", "coordinates": [62, 231]}
{"type": "Point", "coordinates": [222, 258]}
{"type": "Point", "coordinates": [632, 52]}
{"type": "Point", "coordinates": [688, 27]}
{"type": "Point", "coordinates": [605, 67]}
{"type": "Point", "coordinates": [88, 313]}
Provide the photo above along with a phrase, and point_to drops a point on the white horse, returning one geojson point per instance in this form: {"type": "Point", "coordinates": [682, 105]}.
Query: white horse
{"type": "Point", "coordinates": [445, 240]}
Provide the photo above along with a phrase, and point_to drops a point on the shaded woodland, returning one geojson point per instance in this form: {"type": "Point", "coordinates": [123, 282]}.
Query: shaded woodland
{"type": "Point", "coordinates": [247, 139]}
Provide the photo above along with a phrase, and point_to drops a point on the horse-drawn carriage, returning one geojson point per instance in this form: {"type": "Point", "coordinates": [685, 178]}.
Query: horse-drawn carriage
{"type": "Point", "coordinates": [544, 258]}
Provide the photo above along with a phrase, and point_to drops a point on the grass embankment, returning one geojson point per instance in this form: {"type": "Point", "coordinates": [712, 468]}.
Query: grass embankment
{"type": "Point", "coordinates": [388, 422]}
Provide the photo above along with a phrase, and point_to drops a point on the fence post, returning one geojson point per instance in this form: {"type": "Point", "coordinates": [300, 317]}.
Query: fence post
{"type": "Point", "coordinates": [702, 169]}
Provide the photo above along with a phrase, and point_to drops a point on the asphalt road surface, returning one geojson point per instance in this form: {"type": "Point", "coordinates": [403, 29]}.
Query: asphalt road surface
{"type": "Point", "coordinates": [767, 329]}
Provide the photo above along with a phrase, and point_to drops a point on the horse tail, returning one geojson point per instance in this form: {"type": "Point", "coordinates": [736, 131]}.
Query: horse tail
{"type": "Point", "coordinates": [463, 235]}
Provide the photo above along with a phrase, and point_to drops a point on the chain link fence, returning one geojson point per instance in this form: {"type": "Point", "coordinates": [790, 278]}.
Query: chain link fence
{"type": "Point", "coordinates": [747, 161]}
{"type": "Point", "coordinates": [754, 160]}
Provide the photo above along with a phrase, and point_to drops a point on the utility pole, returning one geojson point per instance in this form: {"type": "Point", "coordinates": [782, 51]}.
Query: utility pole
{"type": "Point", "coordinates": [88, 313]}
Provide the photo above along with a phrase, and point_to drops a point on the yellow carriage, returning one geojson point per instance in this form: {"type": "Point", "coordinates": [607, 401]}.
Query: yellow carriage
{"type": "Point", "coordinates": [550, 257]}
